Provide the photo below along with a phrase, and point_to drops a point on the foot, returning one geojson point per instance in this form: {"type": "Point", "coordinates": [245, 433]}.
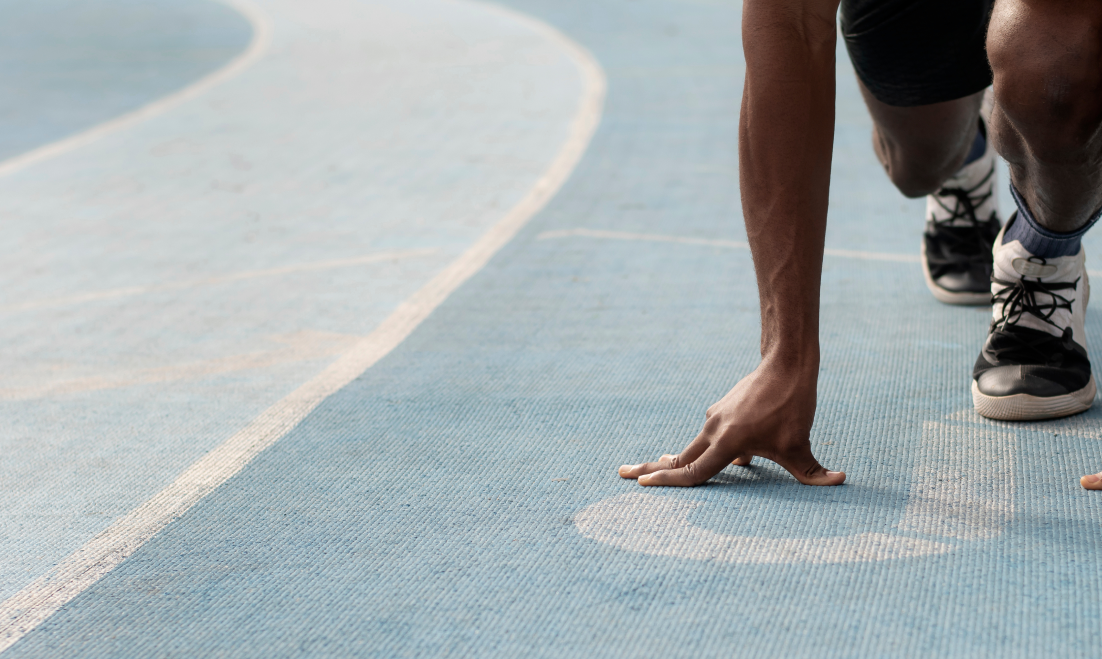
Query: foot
{"type": "Point", "coordinates": [1034, 363]}
{"type": "Point", "coordinates": [962, 220]}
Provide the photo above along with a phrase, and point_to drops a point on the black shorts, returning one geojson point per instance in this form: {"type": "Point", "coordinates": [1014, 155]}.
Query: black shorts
{"type": "Point", "coordinates": [917, 52]}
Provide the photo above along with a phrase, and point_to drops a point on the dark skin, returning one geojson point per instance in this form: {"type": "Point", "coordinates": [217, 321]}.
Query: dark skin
{"type": "Point", "coordinates": [920, 147]}
{"type": "Point", "coordinates": [1047, 59]}
{"type": "Point", "coordinates": [786, 139]}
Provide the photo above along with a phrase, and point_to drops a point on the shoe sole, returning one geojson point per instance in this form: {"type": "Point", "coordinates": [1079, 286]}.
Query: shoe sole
{"type": "Point", "coordinates": [1023, 407]}
{"type": "Point", "coordinates": [950, 297]}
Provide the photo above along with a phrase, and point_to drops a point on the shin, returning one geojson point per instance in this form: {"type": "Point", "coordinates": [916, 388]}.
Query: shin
{"type": "Point", "coordinates": [1046, 56]}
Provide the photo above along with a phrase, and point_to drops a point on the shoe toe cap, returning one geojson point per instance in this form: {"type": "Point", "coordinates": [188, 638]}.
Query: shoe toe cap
{"type": "Point", "coordinates": [964, 282]}
{"type": "Point", "coordinates": [1012, 380]}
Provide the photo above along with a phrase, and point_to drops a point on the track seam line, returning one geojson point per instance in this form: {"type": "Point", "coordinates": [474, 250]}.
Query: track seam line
{"type": "Point", "coordinates": [732, 244]}
{"type": "Point", "coordinates": [717, 242]}
{"type": "Point", "coordinates": [114, 293]}
{"type": "Point", "coordinates": [35, 603]}
{"type": "Point", "coordinates": [258, 45]}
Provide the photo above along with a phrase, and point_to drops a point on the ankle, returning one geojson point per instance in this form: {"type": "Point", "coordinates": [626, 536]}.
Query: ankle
{"type": "Point", "coordinates": [1040, 241]}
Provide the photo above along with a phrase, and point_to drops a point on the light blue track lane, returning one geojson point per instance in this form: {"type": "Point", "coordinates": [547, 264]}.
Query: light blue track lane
{"type": "Point", "coordinates": [460, 498]}
{"type": "Point", "coordinates": [167, 283]}
{"type": "Point", "coordinates": [68, 64]}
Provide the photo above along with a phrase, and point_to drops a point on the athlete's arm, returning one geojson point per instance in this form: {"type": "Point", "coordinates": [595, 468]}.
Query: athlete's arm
{"type": "Point", "coordinates": [786, 136]}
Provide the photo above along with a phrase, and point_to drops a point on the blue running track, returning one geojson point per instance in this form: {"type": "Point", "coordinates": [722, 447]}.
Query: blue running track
{"type": "Point", "coordinates": [460, 496]}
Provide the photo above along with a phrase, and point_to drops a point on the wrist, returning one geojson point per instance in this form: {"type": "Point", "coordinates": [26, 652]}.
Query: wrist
{"type": "Point", "coordinates": [797, 359]}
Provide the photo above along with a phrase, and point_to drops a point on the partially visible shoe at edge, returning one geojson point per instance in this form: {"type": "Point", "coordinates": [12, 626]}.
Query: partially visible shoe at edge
{"type": "Point", "coordinates": [962, 221]}
{"type": "Point", "coordinates": [1034, 364]}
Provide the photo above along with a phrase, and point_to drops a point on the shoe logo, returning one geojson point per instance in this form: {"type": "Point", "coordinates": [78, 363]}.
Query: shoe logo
{"type": "Point", "coordinates": [1028, 268]}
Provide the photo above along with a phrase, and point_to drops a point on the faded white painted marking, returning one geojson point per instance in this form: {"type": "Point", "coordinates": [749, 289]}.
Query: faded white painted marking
{"type": "Point", "coordinates": [114, 293]}
{"type": "Point", "coordinates": [647, 237]}
{"type": "Point", "coordinates": [872, 256]}
{"type": "Point", "coordinates": [962, 488]}
{"type": "Point", "coordinates": [261, 39]}
{"type": "Point", "coordinates": [35, 603]}
{"type": "Point", "coordinates": [1080, 426]}
{"type": "Point", "coordinates": [660, 526]}
{"type": "Point", "coordinates": [716, 242]}
{"type": "Point", "coordinates": [963, 483]}
{"type": "Point", "coordinates": [297, 347]}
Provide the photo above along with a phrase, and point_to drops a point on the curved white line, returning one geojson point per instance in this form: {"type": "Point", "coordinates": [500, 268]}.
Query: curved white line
{"type": "Point", "coordinates": [659, 526]}
{"type": "Point", "coordinates": [262, 36]}
{"type": "Point", "coordinates": [31, 606]}
{"type": "Point", "coordinates": [960, 489]}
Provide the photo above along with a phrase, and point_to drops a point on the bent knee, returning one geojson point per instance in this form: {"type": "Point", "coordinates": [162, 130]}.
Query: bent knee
{"type": "Point", "coordinates": [914, 182]}
{"type": "Point", "coordinates": [1046, 57]}
{"type": "Point", "coordinates": [916, 170]}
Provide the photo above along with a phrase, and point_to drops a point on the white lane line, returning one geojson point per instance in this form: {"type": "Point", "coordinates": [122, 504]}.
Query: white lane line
{"type": "Point", "coordinates": [262, 35]}
{"type": "Point", "coordinates": [647, 237]}
{"type": "Point", "coordinates": [297, 347]}
{"type": "Point", "coordinates": [659, 526]}
{"type": "Point", "coordinates": [872, 256]}
{"type": "Point", "coordinates": [28, 608]}
{"type": "Point", "coordinates": [716, 242]}
{"type": "Point", "coordinates": [114, 293]}
{"type": "Point", "coordinates": [732, 244]}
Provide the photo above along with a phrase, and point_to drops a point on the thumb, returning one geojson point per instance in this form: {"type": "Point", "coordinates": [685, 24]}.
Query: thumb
{"type": "Point", "coordinates": [801, 463]}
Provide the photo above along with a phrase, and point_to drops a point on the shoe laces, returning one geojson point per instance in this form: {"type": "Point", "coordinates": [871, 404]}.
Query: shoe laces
{"type": "Point", "coordinates": [1025, 296]}
{"type": "Point", "coordinates": [961, 231]}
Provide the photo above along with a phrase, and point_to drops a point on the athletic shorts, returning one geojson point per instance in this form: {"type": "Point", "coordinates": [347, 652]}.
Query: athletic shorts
{"type": "Point", "coordinates": [917, 52]}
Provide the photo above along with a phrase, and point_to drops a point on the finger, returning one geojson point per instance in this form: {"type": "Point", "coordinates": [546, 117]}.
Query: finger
{"type": "Point", "coordinates": [742, 460]}
{"type": "Point", "coordinates": [802, 464]}
{"type": "Point", "coordinates": [699, 471]}
{"type": "Point", "coordinates": [1092, 481]}
{"type": "Point", "coordinates": [697, 447]}
{"type": "Point", "coordinates": [694, 450]}
{"type": "Point", "coordinates": [635, 471]}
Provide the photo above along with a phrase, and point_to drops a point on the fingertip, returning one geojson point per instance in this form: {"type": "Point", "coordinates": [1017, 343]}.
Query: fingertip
{"type": "Point", "coordinates": [1091, 482]}
{"type": "Point", "coordinates": [827, 478]}
{"type": "Point", "coordinates": [625, 471]}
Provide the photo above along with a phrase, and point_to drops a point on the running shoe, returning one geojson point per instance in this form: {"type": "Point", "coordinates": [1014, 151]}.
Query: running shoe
{"type": "Point", "coordinates": [962, 221]}
{"type": "Point", "coordinates": [1034, 363]}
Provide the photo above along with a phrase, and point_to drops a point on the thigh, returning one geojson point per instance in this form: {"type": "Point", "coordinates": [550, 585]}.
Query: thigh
{"type": "Point", "coordinates": [918, 52]}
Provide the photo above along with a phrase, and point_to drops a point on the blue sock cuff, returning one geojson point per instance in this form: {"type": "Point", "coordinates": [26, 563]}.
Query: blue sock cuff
{"type": "Point", "coordinates": [979, 146]}
{"type": "Point", "coordinates": [1038, 240]}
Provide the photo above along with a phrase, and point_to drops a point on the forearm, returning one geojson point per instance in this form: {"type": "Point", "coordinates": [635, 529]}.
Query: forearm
{"type": "Point", "coordinates": [786, 137]}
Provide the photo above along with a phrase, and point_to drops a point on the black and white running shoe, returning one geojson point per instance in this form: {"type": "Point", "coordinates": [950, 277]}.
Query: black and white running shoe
{"type": "Point", "coordinates": [1034, 363]}
{"type": "Point", "coordinates": [962, 220]}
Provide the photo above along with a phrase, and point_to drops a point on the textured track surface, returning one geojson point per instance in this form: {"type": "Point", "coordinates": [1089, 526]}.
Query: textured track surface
{"type": "Point", "coordinates": [68, 64]}
{"type": "Point", "coordinates": [171, 281]}
{"type": "Point", "coordinates": [461, 498]}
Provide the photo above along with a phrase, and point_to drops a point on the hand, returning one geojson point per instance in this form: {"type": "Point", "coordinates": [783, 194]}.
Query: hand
{"type": "Point", "coordinates": [1092, 482]}
{"type": "Point", "coordinates": [768, 414]}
